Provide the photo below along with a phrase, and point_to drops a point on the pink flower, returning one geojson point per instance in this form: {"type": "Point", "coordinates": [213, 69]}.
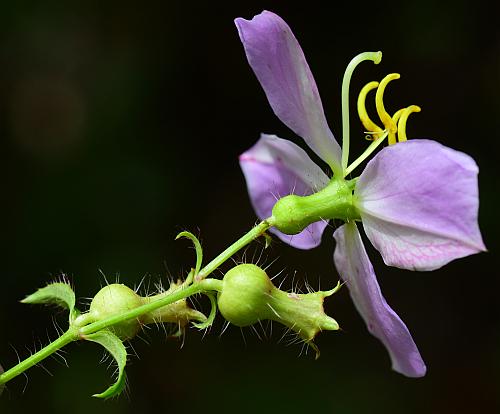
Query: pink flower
{"type": "Point", "coordinates": [417, 200]}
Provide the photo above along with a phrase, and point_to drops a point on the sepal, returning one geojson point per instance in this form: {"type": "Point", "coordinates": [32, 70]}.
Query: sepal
{"type": "Point", "coordinates": [58, 293]}
{"type": "Point", "coordinates": [197, 247]}
{"type": "Point", "coordinates": [213, 312]}
{"type": "Point", "coordinates": [117, 350]}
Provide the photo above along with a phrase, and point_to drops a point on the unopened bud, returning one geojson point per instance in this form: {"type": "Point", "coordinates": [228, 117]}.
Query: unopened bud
{"type": "Point", "coordinates": [248, 295]}
{"type": "Point", "coordinates": [116, 299]}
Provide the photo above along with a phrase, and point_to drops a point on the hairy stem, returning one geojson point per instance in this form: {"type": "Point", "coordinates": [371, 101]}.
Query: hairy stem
{"type": "Point", "coordinates": [82, 327]}
{"type": "Point", "coordinates": [253, 234]}
{"type": "Point", "coordinates": [70, 336]}
{"type": "Point", "coordinates": [74, 333]}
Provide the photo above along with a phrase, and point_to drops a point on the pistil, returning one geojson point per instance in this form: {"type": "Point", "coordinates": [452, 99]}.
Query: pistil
{"type": "Point", "coordinates": [376, 57]}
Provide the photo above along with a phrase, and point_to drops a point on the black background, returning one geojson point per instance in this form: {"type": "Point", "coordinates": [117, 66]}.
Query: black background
{"type": "Point", "coordinates": [120, 126]}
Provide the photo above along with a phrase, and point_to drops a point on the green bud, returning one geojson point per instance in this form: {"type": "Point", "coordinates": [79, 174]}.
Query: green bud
{"type": "Point", "coordinates": [115, 299]}
{"type": "Point", "coordinates": [293, 213]}
{"type": "Point", "coordinates": [246, 291]}
{"type": "Point", "coordinates": [248, 295]}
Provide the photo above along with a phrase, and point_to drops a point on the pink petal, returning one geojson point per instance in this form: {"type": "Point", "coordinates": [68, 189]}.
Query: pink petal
{"type": "Point", "coordinates": [355, 269]}
{"type": "Point", "coordinates": [419, 204]}
{"type": "Point", "coordinates": [274, 168]}
{"type": "Point", "coordinates": [279, 63]}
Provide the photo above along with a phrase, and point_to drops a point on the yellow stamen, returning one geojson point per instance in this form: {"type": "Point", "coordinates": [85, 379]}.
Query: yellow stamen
{"type": "Point", "coordinates": [391, 139]}
{"type": "Point", "coordinates": [402, 121]}
{"type": "Point", "coordinates": [369, 125]}
{"type": "Point", "coordinates": [386, 119]}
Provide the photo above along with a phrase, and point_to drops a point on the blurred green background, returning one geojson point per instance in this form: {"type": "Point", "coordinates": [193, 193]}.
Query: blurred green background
{"type": "Point", "coordinates": [120, 125]}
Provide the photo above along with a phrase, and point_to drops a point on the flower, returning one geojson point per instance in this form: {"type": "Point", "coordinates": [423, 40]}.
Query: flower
{"type": "Point", "coordinates": [417, 200]}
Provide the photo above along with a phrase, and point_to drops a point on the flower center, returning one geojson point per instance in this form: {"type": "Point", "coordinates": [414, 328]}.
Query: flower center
{"type": "Point", "coordinates": [395, 125]}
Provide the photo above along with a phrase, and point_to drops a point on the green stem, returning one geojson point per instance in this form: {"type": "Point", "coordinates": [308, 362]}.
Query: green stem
{"type": "Point", "coordinates": [74, 333]}
{"type": "Point", "coordinates": [198, 286]}
{"type": "Point", "coordinates": [201, 285]}
{"type": "Point", "coordinates": [70, 336]}
{"type": "Point", "coordinates": [376, 57]}
{"type": "Point", "coordinates": [253, 234]}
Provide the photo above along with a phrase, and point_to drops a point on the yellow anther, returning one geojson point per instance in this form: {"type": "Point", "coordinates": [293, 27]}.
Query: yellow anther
{"type": "Point", "coordinates": [386, 119]}
{"type": "Point", "coordinates": [391, 139]}
{"type": "Point", "coordinates": [369, 125]}
{"type": "Point", "coordinates": [402, 121]}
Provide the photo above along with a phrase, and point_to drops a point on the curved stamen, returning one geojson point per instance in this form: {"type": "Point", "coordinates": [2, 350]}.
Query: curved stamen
{"type": "Point", "coordinates": [386, 119]}
{"type": "Point", "coordinates": [391, 140]}
{"type": "Point", "coordinates": [402, 121]}
{"type": "Point", "coordinates": [370, 126]}
{"type": "Point", "coordinates": [372, 147]}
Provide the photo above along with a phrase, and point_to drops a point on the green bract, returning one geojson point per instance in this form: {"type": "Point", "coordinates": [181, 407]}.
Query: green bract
{"type": "Point", "coordinates": [58, 293]}
{"type": "Point", "coordinates": [117, 350]}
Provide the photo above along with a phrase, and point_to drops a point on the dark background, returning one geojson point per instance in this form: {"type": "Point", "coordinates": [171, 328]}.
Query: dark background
{"type": "Point", "coordinates": [120, 126]}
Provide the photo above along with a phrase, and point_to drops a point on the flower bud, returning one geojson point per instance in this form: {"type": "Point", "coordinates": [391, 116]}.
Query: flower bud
{"type": "Point", "coordinates": [115, 299]}
{"type": "Point", "coordinates": [246, 290]}
{"type": "Point", "coordinates": [248, 295]}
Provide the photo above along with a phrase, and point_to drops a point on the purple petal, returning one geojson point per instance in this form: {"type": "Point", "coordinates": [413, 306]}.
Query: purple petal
{"type": "Point", "coordinates": [419, 203]}
{"type": "Point", "coordinates": [356, 270]}
{"type": "Point", "coordinates": [279, 63]}
{"type": "Point", "coordinates": [274, 168]}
